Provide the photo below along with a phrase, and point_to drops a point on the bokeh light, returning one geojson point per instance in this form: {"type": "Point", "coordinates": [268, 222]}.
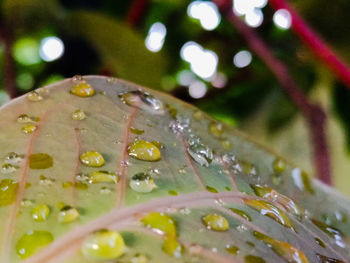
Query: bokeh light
{"type": "Point", "coordinates": [51, 48]}
{"type": "Point", "coordinates": [206, 12]}
{"type": "Point", "coordinates": [197, 89]}
{"type": "Point", "coordinates": [156, 36]}
{"type": "Point", "coordinates": [251, 10]}
{"type": "Point", "coordinates": [282, 19]}
{"type": "Point", "coordinates": [242, 59]}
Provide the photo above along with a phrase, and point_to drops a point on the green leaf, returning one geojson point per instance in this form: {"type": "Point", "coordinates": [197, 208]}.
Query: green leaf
{"type": "Point", "coordinates": [144, 177]}
{"type": "Point", "coordinates": [121, 48]}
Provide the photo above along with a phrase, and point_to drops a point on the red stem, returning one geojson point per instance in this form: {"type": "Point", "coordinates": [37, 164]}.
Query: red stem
{"type": "Point", "coordinates": [313, 113]}
{"type": "Point", "coordinates": [136, 12]}
{"type": "Point", "coordinates": [9, 64]}
{"type": "Point", "coordinates": [315, 43]}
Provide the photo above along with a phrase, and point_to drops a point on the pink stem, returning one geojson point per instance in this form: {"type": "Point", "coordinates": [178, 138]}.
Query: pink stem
{"type": "Point", "coordinates": [315, 43]}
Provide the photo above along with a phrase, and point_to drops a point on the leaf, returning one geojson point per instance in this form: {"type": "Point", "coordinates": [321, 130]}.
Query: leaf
{"type": "Point", "coordinates": [121, 48]}
{"type": "Point", "coordinates": [143, 177]}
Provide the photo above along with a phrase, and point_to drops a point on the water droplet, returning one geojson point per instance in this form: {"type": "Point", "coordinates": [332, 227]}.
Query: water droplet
{"type": "Point", "coordinates": [285, 250]}
{"type": "Point", "coordinates": [105, 190]}
{"type": "Point", "coordinates": [136, 131]}
{"type": "Point", "coordinates": [8, 191]}
{"type": "Point", "coordinates": [13, 158]}
{"type": "Point", "coordinates": [202, 154]}
{"type": "Point", "coordinates": [232, 249]}
{"type": "Point", "coordinates": [40, 213]}
{"type": "Point", "coordinates": [320, 242]}
{"type": "Point", "coordinates": [103, 177]}
{"type": "Point", "coordinates": [144, 101]}
{"type": "Point", "coordinates": [211, 189]}
{"type": "Point", "coordinates": [34, 96]}
{"type": "Point", "coordinates": [142, 183]}
{"type": "Point", "coordinates": [103, 245]}
{"type": "Point", "coordinates": [40, 161]}
{"type": "Point", "coordinates": [266, 208]}
{"type": "Point", "coordinates": [334, 233]}
{"type": "Point", "coordinates": [279, 165]}
{"type": "Point", "coordinates": [172, 247]}
{"type": "Point", "coordinates": [92, 159]}
{"type": "Point", "coordinates": [253, 259]}
{"type": "Point", "coordinates": [302, 180]}
{"type": "Point", "coordinates": [29, 128]}
{"type": "Point", "coordinates": [46, 181]}
{"type": "Point", "coordinates": [8, 168]}
{"type": "Point", "coordinates": [325, 259]}
{"type": "Point", "coordinates": [144, 150]}
{"type": "Point", "coordinates": [77, 79]}
{"type": "Point", "coordinates": [216, 129]}
{"type": "Point", "coordinates": [241, 213]}
{"type": "Point", "coordinates": [172, 192]}
{"type": "Point", "coordinates": [26, 202]}
{"type": "Point", "coordinates": [226, 144]}
{"type": "Point", "coordinates": [32, 242]}
{"type": "Point", "coordinates": [24, 118]}
{"type": "Point", "coordinates": [83, 89]}
{"type": "Point", "coordinates": [78, 115]}
{"type": "Point", "coordinates": [68, 214]}
{"type": "Point", "coordinates": [216, 222]}
{"type": "Point", "coordinates": [160, 222]}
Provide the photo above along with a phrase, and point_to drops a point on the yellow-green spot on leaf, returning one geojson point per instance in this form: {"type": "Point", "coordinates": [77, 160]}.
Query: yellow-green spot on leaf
{"type": "Point", "coordinates": [285, 250]}
{"type": "Point", "coordinates": [279, 165]}
{"type": "Point", "coordinates": [34, 96]}
{"type": "Point", "coordinates": [136, 131]}
{"type": "Point", "coordinates": [253, 259]}
{"type": "Point", "coordinates": [8, 192]}
{"type": "Point", "coordinates": [83, 90]}
{"type": "Point", "coordinates": [78, 115]}
{"type": "Point", "coordinates": [216, 222]}
{"type": "Point", "coordinates": [162, 222]}
{"type": "Point", "coordinates": [172, 111]}
{"type": "Point", "coordinates": [216, 129]}
{"type": "Point", "coordinates": [40, 213]}
{"type": "Point", "coordinates": [241, 213]}
{"type": "Point", "coordinates": [142, 183]}
{"type": "Point", "coordinates": [144, 150]}
{"type": "Point", "coordinates": [68, 214]}
{"type": "Point", "coordinates": [66, 185]}
{"type": "Point", "coordinates": [92, 159]}
{"type": "Point", "coordinates": [226, 144]}
{"type": "Point", "coordinates": [104, 177]}
{"type": "Point", "coordinates": [103, 245]}
{"type": "Point", "coordinates": [232, 249]}
{"type": "Point", "coordinates": [172, 247]}
{"type": "Point", "coordinates": [8, 168]}
{"type": "Point", "coordinates": [29, 128]}
{"type": "Point", "coordinates": [81, 186]}
{"type": "Point", "coordinates": [32, 242]}
{"type": "Point", "coordinates": [40, 161]}
{"type": "Point", "coordinates": [266, 208]}
{"type": "Point", "coordinates": [172, 192]}
{"type": "Point", "coordinates": [211, 189]}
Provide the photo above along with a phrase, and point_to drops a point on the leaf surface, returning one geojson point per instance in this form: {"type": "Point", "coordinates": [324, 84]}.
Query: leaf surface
{"type": "Point", "coordinates": [97, 169]}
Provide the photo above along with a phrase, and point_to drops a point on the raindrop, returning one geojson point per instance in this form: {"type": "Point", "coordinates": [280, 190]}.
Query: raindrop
{"type": "Point", "coordinates": [143, 100]}
{"type": "Point", "coordinates": [216, 222]}
{"type": "Point", "coordinates": [103, 177]}
{"type": "Point", "coordinates": [78, 115]}
{"type": "Point", "coordinates": [202, 154]}
{"type": "Point", "coordinates": [29, 128]}
{"type": "Point", "coordinates": [144, 150]}
{"type": "Point", "coordinates": [68, 214]}
{"type": "Point", "coordinates": [13, 158]}
{"type": "Point", "coordinates": [92, 159]}
{"type": "Point", "coordinates": [34, 96]}
{"type": "Point", "coordinates": [31, 242]}
{"type": "Point", "coordinates": [8, 168]}
{"type": "Point", "coordinates": [142, 183]}
{"type": "Point", "coordinates": [40, 213]}
{"type": "Point", "coordinates": [8, 192]}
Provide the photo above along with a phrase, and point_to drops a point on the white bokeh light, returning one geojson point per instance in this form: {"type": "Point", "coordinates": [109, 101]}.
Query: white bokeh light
{"type": "Point", "coordinates": [197, 89]}
{"type": "Point", "coordinates": [51, 48]}
{"type": "Point", "coordinates": [206, 12]}
{"type": "Point", "coordinates": [185, 77]}
{"type": "Point", "coordinates": [251, 10]}
{"type": "Point", "coordinates": [282, 19]}
{"type": "Point", "coordinates": [219, 81]}
{"type": "Point", "coordinates": [203, 62]}
{"type": "Point", "coordinates": [242, 59]}
{"type": "Point", "coordinates": [156, 36]}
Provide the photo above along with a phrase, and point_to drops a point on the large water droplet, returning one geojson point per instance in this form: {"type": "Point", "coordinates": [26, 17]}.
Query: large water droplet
{"type": "Point", "coordinates": [172, 247]}
{"type": "Point", "coordinates": [232, 249]}
{"type": "Point", "coordinates": [142, 183]}
{"type": "Point", "coordinates": [144, 150]}
{"type": "Point", "coordinates": [24, 118]}
{"type": "Point", "coordinates": [333, 232]}
{"type": "Point", "coordinates": [40, 213]}
{"type": "Point", "coordinates": [279, 165]}
{"type": "Point", "coordinates": [13, 158]}
{"type": "Point", "coordinates": [8, 192]}
{"type": "Point", "coordinates": [160, 222]}
{"type": "Point", "coordinates": [82, 89]}
{"type": "Point", "coordinates": [285, 250]}
{"type": "Point", "coordinates": [216, 222]}
{"type": "Point", "coordinates": [40, 161]}
{"type": "Point", "coordinates": [103, 245]}
{"type": "Point", "coordinates": [136, 131]}
{"type": "Point", "coordinates": [241, 213]}
{"type": "Point", "coordinates": [92, 159]}
{"type": "Point", "coordinates": [103, 177]}
{"type": "Point", "coordinates": [32, 242]}
{"type": "Point", "coordinates": [68, 214]}
{"type": "Point", "coordinates": [202, 154]}
{"type": "Point", "coordinates": [144, 101]}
